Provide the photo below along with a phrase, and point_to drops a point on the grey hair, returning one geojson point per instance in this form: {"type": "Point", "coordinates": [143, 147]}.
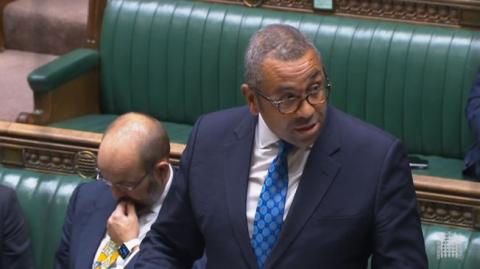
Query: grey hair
{"type": "Point", "coordinates": [279, 41]}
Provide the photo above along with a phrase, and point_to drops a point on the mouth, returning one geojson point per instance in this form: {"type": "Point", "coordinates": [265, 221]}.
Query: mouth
{"type": "Point", "coordinates": [306, 127]}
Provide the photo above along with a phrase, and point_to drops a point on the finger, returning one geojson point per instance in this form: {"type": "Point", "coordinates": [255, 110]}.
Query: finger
{"type": "Point", "coordinates": [124, 208]}
{"type": "Point", "coordinates": [121, 208]}
{"type": "Point", "coordinates": [131, 210]}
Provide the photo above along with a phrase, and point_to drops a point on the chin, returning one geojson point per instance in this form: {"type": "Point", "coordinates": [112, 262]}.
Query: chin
{"type": "Point", "coordinates": [305, 141]}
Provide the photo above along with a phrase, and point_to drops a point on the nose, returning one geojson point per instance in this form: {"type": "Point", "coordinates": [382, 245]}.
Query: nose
{"type": "Point", "coordinates": [305, 110]}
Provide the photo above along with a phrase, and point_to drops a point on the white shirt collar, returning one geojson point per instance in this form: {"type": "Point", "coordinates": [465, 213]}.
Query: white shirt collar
{"type": "Point", "coordinates": [158, 204]}
{"type": "Point", "coordinates": [264, 136]}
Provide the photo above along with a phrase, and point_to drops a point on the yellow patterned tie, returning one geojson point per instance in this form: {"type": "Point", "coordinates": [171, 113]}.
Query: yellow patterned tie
{"type": "Point", "coordinates": [107, 257]}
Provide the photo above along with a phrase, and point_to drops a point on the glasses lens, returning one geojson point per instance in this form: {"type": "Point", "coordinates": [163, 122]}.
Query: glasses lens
{"type": "Point", "coordinates": [289, 105]}
{"type": "Point", "coordinates": [317, 97]}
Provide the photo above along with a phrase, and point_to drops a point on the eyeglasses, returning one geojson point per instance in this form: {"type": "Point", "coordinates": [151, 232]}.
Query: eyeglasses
{"type": "Point", "coordinates": [316, 94]}
{"type": "Point", "coordinates": [122, 186]}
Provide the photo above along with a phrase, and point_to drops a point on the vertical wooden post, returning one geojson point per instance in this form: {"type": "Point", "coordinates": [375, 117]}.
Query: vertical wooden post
{"type": "Point", "coordinates": [94, 23]}
{"type": "Point", "coordinates": [3, 3]}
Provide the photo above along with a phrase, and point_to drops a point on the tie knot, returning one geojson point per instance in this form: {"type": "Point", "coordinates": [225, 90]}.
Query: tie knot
{"type": "Point", "coordinates": [283, 147]}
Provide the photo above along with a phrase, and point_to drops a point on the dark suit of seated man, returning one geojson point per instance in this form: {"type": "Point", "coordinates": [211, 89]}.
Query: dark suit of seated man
{"type": "Point", "coordinates": [288, 181]}
{"type": "Point", "coordinates": [472, 159]}
{"type": "Point", "coordinates": [15, 245]}
{"type": "Point", "coordinates": [107, 219]}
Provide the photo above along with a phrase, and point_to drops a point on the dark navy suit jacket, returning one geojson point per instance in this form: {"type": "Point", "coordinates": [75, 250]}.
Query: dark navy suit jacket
{"type": "Point", "coordinates": [85, 224]}
{"type": "Point", "coordinates": [15, 245]}
{"type": "Point", "coordinates": [355, 199]}
{"type": "Point", "coordinates": [90, 207]}
{"type": "Point", "coordinates": [472, 159]}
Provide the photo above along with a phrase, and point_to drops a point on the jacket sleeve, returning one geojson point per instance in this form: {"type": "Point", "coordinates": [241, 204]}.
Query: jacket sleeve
{"type": "Point", "coordinates": [398, 239]}
{"type": "Point", "coordinates": [473, 107]}
{"type": "Point", "coordinates": [62, 256]}
{"type": "Point", "coordinates": [16, 245]}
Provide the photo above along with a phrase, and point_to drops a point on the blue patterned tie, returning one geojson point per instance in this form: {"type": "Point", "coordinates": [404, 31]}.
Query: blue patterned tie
{"type": "Point", "coordinates": [271, 203]}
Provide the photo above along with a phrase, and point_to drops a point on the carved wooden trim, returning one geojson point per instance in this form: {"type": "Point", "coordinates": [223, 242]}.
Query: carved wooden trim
{"type": "Point", "coordinates": [455, 13]}
{"type": "Point", "coordinates": [253, 3]}
{"type": "Point", "coordinates": [449, 214]}
{"type": "Point", "coordinates": [55, 150]}
{"type": "Point", "coordinates": [448, 201]}
{"type": "Point", "coordinates": [46, 149]}
{"type": "Point", "coordinates": [416, 11]}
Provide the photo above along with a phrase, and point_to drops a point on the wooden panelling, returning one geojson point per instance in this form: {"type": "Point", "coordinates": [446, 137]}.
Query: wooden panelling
{"type": "Point", "coordinates": [3, 3]}
{"type": "Point", "coordinates": [52, 150]}
{"type": "Point", "coordinates": [453, 13]}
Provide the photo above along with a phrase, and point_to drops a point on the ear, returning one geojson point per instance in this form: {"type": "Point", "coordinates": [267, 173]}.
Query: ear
{"type": "Point", "coordinates": [162, 168]}
{"type": "Point", "coordinates": [250, 98]}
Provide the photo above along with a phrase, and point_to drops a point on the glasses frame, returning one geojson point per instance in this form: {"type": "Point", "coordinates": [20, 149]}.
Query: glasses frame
{"type": "Point", "coordinates": [278, 103]}
{"type": "Point", "coordinates": [100, 177]}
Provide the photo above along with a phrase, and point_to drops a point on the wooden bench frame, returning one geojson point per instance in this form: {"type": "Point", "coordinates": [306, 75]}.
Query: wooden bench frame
{"type": "Point", "coordinates": [453, 13]}
{"type": "Point", "coordinates": [53, 150]}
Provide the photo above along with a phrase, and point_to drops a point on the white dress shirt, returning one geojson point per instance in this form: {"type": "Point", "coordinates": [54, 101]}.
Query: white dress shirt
{"type": "Point", "coordinates": [145, 222]}
{"type": "Point", "coordinates": [265, 149]}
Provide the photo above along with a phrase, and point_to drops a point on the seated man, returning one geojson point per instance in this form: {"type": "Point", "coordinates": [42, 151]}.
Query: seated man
{"type": "Point", "coordinates": [15, 246]}
{"type": "Point", "coordinates": [472, 159]}
{"type": "Point", "coordinates": [107, 219]}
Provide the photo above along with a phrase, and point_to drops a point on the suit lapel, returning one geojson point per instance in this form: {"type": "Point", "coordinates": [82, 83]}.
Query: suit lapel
{"type": "Point", "coordinates": [319, 172]}
{"type": "Point", "coordinates": [94, 230]}
{"type": "Point", "coordinates": [237, 169]}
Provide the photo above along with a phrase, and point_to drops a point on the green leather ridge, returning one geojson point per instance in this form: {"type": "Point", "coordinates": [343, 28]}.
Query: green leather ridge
{"type": "Point", "coordinates": [464, 245]}
{"type": "Point", "coordinates": [44, 199]}
{"type": "Point", "coordinates": [177, 132]}
{"type": "Point", "coordinates": [63, 69]}
{"type": "Point", "coordinates": [176, 60]}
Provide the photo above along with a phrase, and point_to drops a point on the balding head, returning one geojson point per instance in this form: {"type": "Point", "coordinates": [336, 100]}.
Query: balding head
{"type": "Point", "coordinates": [140, 135]}
{"type": "Point", "coordinates": [133, 158]}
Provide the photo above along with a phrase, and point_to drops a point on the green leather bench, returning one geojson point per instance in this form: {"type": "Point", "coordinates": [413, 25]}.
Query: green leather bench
{"type": "Point", "coordinates": [177, 60]}
{"type": "Point", "coordinates": [44, 199]}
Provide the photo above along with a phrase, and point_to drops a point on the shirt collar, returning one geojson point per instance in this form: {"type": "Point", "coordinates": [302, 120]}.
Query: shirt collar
{"type": "Point", "coordinates": [158, 204]}
{"type": "Point", "coordinates": [264, 136]}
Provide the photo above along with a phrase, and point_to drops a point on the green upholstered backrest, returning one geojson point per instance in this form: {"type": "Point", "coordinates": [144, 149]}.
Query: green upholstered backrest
{"type": "Point", "coordinates": [451, 248]}
{"type": "Point", "coordinates": [177, 60]}
{"type": "Point", "coordinates": [44, 200]}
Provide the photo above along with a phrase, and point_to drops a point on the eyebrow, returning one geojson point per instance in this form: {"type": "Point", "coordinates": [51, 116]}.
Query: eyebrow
{"type": "Point", "coordinates": [286, 89]}
{"type": "Point", "coordinates": [314, 74]}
